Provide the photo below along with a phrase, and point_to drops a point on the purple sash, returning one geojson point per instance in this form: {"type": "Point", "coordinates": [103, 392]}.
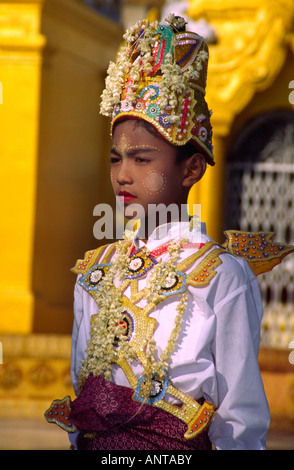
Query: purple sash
{"type": "Point", "coordinates": [109, 419]}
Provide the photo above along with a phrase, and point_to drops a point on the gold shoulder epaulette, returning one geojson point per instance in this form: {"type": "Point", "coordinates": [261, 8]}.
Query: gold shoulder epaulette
{"type": "Point", "coordinates": [91, 257]}
{"type": "Point", "coordinates": [259, 249]}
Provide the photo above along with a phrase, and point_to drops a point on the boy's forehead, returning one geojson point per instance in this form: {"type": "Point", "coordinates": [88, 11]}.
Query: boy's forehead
{"type": "Point", "coordinates": [128, 135]}
{"type": "Point", "coordinates": [122, 141]}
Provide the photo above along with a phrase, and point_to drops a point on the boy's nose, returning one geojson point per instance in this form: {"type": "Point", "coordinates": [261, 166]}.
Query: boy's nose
{"type": "Point", "coordinates": [124, 175]}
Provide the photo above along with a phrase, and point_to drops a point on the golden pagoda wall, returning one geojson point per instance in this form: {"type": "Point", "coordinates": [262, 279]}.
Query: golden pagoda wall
{"type": "Point", "coordinates": [54, 153]}
{"type": "Point", "coordinates": [53, 147]}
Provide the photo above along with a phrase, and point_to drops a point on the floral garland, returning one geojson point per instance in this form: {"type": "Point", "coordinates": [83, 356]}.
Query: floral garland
{"type": "Point", "coordinates": [107, 326]}
{"type": "Point", "coordinates": [107, 330]}
{"type": "Point", "coordinates": [173, 80]}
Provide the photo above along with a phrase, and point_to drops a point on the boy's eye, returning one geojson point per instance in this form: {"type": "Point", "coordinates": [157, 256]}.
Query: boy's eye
{"type": "Point", "coordinates": [114, 159]}
{"type": "Point", "coordinates": [142, 160]}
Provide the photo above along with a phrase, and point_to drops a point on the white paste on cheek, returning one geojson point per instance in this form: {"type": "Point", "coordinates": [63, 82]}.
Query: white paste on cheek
{"type": "Point", "coordinates": [112, 178]}
{"type": "Point", "coordinates": [154, 182]}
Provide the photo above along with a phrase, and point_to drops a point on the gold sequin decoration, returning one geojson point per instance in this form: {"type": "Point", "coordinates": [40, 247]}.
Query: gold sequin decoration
{"type": "Point", "coordinates": [206, 269]}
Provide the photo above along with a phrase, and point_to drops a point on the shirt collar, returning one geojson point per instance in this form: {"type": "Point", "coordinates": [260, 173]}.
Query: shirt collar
{"type": "Point", "coordinates": [173, 231]}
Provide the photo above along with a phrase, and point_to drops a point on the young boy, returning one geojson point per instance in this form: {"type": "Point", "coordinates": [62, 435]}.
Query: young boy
{"type": "Point", "coordinates": [166, 327]}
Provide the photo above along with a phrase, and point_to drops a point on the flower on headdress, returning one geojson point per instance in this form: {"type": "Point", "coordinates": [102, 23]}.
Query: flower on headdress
{"type": "Point", "coordinates": [115, 82]}
{"type": "Point", "coordinates": [177, 22]}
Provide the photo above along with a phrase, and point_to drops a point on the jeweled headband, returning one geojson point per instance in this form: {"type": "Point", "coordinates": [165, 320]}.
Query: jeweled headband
{"type": "Point", "coordinates": [160, 76]}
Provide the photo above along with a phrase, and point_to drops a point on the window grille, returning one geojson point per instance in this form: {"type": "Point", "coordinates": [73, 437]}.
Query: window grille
{"type": "Point", "coordinates": [260, 197]}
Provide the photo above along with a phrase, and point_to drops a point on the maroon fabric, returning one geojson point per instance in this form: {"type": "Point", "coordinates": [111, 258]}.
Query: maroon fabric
{"type": "Point", "coordinates": [109, 419]}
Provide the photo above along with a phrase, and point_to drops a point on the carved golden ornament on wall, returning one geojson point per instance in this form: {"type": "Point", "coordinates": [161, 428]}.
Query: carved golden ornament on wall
{"type": "Point", "coordinates": [10, 376]}
{"type": "Point", "coordinates": [253, 39]}
{"type": "Point", "coordinates": [41, 375]}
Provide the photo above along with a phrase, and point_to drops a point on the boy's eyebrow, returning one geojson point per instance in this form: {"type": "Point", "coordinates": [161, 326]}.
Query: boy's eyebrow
{"type": "Point", "coordinates": [132, 150]}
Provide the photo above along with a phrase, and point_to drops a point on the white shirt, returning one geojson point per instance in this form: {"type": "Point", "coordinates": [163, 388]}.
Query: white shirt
{"type": "Point", "coordinates": [216, 353]}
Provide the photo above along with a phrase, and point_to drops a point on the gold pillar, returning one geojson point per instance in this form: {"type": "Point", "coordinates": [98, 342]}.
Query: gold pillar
{"type": "Point", "coordinates": [209, 192]}
{"type": "Point", "coordinates": [21, 46]}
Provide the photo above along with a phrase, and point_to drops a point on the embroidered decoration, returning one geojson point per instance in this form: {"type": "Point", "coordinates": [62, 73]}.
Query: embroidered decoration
{"type": "Point", "coordinates": [90, 258]}
{"type": "Point", "coordinates": [157, 392]}
{"type": "Point", "coordinates": [59, 412]}
{"type": "Point", "coordinates": [187, 409]}
{"type": "Point", "coordinates": [201, 420]}
{"type": "Point", "coordinates": [206, 269]}
{"type": "Point", "coordinates": [259, 249]}
{"type": "Point", "coordinates": [128, 323]}
{"type": "Point", "coordinates": [201, 250]}
{"type": "Point", "coordinates": [93, 278]}
{"type": "Point", "coordinates": [174, 284]}
{"type": "Point", "coordinates": [196, 416]}
{"type": "Point", "coordinates": [140, 264]}
{"type": "Point", "coordinates": [141, 328]}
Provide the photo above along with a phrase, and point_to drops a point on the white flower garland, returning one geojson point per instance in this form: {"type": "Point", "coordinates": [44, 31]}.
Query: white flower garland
{"type": "Point", "coordinates": [106, 329]}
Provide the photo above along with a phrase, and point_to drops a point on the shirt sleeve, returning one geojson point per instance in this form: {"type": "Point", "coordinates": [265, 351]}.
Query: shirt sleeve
{"type": "Point", "coordinates": [242, 419]}
{"type": "Point", "coordinates": [84, 307]}
{"type": "Point", "coordinates": [80, 334]}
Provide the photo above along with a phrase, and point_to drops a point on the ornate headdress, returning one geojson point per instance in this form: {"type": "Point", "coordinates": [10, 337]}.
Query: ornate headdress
{"type": "Point", "coordinates": [160, 76]}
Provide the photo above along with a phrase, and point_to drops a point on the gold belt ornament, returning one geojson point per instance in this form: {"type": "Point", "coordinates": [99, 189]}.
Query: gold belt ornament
{"type": "Point", "coordinates": [196, 416]}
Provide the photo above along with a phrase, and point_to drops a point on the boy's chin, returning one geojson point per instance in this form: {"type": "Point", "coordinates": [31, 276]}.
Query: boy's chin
{"type": "Point", "coordinates": [138, 213]}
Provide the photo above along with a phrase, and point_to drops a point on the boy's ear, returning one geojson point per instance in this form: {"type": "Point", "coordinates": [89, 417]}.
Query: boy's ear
{"type": "Point", "coordinates": [195, 169]}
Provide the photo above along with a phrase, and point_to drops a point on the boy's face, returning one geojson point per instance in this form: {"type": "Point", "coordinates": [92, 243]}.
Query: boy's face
{"type": "Point", "coordinates": [144, 169]}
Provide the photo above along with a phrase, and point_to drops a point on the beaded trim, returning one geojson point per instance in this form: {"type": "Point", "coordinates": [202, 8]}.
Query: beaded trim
{"type": "Point", "coordinates": [59, 412]}
{"type": "Point", "coordinates": [205, 270]}
{"type": "Point", "coordinates": [90, 258]}
{"type": "Point", "coordinates": [258, 248]}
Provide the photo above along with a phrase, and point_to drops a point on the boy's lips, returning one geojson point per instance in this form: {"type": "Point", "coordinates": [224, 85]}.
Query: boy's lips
{"type": "Point", "coordinates": [126, 195]}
